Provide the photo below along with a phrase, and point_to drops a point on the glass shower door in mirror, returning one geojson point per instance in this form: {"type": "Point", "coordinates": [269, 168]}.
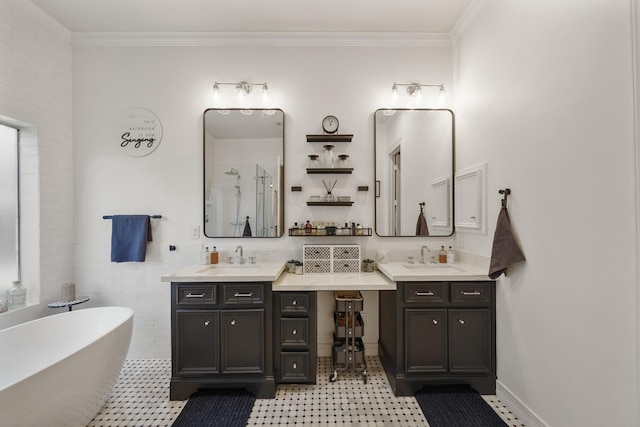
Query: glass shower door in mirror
{"type": "Point", "coordinates": [414, 167]}
{"type": "Point", "coordinates": [243, 172]}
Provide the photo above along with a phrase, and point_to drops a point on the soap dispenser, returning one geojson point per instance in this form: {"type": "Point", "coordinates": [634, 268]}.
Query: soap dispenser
{"type": "Point", "coordinates": [442, 257]}
{"type": "Point", "coordinates": [214, 256]}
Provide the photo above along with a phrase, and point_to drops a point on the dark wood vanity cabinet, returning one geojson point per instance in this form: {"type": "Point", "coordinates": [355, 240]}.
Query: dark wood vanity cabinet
{"type": "Point", "coordinates": [438, 333]}
{"type": "Point", "coordinates": [295, 336]}
{"type": "Point", "coordinates": [221, 337]}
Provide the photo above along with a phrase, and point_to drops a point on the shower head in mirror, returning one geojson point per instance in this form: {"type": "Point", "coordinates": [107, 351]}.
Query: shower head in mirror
{"type": "Point", "coordinates": [232, 171]}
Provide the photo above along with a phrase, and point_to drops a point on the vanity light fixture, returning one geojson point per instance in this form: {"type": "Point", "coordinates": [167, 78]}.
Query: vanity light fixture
{"type": "Point", "coordinates": [414, 90]}
{"type": "Point", "coordinates": [243, 90]}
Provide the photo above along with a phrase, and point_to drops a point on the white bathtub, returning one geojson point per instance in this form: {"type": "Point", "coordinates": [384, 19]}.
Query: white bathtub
{"type": "Point", "coordinates": [59, 370]}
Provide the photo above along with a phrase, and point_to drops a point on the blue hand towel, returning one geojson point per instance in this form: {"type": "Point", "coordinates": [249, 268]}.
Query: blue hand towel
{"type": "Point", "coordinates": [129, 237]}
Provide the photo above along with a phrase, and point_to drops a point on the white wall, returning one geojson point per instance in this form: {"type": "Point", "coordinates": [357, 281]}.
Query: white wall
{"type": "Point", "coordinates": [175, 82]}
{"type": "Point", "coordinates": [35, 95]}
{"type": "Point", "coordinates": [544, 95]}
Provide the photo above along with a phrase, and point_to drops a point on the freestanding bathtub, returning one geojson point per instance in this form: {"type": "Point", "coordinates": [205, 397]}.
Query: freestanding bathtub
{"type": "Point", "coordinates": [59, 370]}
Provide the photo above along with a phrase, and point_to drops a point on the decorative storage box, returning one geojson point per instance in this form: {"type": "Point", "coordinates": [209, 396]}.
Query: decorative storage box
{"type": "Point", "coordinates": [325, 259]}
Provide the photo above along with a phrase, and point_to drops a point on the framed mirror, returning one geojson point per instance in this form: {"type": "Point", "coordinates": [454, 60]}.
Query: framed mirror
{"type": "Point", "coordinates": [414, 167]}
{"type": "Point", "coordinates": [243, 172]}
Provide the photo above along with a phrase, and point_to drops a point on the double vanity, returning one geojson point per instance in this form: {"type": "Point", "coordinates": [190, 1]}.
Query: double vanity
{"type": "Point", "coordinates": [254, 325]}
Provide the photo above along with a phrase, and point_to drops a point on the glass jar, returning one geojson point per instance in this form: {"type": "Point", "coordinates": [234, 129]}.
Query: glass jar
{"type": "Point", "coordinates": [17, 295]}
{"type": "Point", "coordinates": [314, 163]}
{"type": "Point", "coordinates": [328, 156]}
{"type": "Point", "coordinates": [343, 161]}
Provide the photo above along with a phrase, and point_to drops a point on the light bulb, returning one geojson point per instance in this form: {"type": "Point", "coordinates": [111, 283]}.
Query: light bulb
{"type": "Point", "coordinates": [217, 96]}
{"type": "Point", "coordinates": [393, 101]}
{"type": "Point", "coordinates": [266, 97]}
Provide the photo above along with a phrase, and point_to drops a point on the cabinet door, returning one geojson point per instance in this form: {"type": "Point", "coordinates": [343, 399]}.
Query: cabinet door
{"type": "Point", "coordinates": [425, 340]}
{"type": "Point", "coordinates": [198, 341]}
{"type": "Point", "coordinates": [470, 340]}
{"type": "Point", "coordinates": [242, 343]}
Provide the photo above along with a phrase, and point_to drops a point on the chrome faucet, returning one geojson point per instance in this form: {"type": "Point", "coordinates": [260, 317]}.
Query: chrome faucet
{"type": "Point", "coordinates": [422, 248]}
{"type": "Point", "coordinates": [241, 252]}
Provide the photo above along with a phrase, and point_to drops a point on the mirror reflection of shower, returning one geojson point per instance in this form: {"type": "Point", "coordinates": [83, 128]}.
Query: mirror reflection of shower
{"type": "Point", "coordinates": [266, 203]}
{"type": "Point", "coordinates": [238, 194]}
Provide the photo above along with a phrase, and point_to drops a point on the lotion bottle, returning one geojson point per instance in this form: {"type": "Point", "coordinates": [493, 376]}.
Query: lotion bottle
{"type": "Point", "coordinates": [206, 256]}
{"type": "Point", "coordinates": [450, 256]}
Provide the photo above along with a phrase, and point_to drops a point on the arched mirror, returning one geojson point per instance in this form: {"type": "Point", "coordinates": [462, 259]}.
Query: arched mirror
{"type": "Point", "coordinates": [243, 172]}
{"type": "Point", "coordinates": [414, 166]}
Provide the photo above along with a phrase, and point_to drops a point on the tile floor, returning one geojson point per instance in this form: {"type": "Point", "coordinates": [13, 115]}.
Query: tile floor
{"type": "Point", "coordinates": [141, 399]}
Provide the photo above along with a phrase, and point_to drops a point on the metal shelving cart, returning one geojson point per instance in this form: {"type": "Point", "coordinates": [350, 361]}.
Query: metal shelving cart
{"type": "Point", "coordinates": [348, 348]}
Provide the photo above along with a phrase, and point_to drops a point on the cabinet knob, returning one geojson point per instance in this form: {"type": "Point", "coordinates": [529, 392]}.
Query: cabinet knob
{"type": "Point", "coordinates": [206, 323]}
{"type": "Point", "coordinates": [294, 302]}
{"type": "Point", "coordinates": [434, 321]}
{"type": "Point", "coordinates": [461, 321]}
{"type": "Point", "coordinates": [233, 322]}
{"type": "Point", "coordinates": [294, 332]}
{"type": "Point", "coordinates": [295, 365]}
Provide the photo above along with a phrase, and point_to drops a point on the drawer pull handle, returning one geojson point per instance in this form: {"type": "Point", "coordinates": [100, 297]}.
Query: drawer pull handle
{"type": "Point", "coordinates": [294, 302]}
{"type": "Point", "coordinates": [233, 322]}
{"type": "Point", "coordinates": [295, 365]}
{"type": "Point", "coordinates": [424, 294]}
{"type": "Point", "coordinates": [434, 321]}
{"type": "Point", "coordinates": [294, 332]}
{"type": "Point", "coordinates": [206, 323]}
{"type": "Point", "coordinates": [461, 321]}
{"type": "Point", "coordinates": [239, 295]}
{"type": "Point", "coordinates": [474, 293]}
{"type": "Point", "coordinates": [190, 295]}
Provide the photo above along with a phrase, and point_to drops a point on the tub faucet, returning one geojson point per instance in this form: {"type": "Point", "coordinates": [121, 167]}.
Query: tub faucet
{"type": "Point", "coordinates": [241, 252]}
{"type": "Point", "coordinates": [422, 248]}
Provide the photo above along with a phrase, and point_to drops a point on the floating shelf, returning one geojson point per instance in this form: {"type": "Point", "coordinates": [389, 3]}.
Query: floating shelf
{"type": "Point", "coordinates": [329, 138]}
{"type": "Point", "coordinates": [298, 232]}
{"type": "Point", "coordinates": [329, 170]}
{"type": "Point", "coordinates": [330, 203]}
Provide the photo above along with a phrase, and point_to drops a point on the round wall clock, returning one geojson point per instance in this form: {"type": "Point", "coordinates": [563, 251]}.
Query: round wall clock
{"type": "Point", "coordinates": [330, 124]}
{"type": "Point", "coordinates": [138, 132]}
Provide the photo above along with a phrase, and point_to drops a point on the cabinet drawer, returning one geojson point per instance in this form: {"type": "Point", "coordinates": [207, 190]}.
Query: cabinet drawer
{"type": "Point", "coordinates": [294, 367]}
{"type": "Point", "coordinates": [317, 252]}
{"type": "Point", "coordinates": [346, 266]}
{"type": "Point", "coordinates": [291, 302]}
{"type": "Point", "coordinates": [243, 293]}
{"type": "Point", "coordinates": [425, 292]}
{"type": "Point", "coordinates": [476, 292]}
{"type": "Point", "coordinates": [196, 294]}
{"type": "Point", "coordinates": [317, 266]}
{"type": "Point", "coordinates": [294, 333]}
{"type": "Point", "coordinates": [346, 252]}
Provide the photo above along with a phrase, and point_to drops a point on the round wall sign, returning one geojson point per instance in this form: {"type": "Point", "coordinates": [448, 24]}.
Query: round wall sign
{"type": "Point", "coordinates": [138, 132]}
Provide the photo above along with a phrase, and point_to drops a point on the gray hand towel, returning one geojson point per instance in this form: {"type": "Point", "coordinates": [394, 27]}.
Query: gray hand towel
{"type": "Point", "coordinates": [129, 237]}
{"type": "Point", "coordinates": [505, 251]}
{"type": "Point", "coordinates": [421, 226]}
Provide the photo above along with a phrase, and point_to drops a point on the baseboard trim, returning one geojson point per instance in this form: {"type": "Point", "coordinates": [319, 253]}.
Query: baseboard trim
{"type": "Point", "coordinates": [517, 407]}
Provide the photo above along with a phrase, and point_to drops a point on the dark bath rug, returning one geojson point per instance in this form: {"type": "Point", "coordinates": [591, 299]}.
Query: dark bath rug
{"type": "Point", "coordinates": [213, 408]}
{"type": "Point", "coordinates": [456, 406]}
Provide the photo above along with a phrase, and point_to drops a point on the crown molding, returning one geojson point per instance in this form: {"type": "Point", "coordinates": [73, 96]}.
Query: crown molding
{"type": "Point", "coordinates": [259, 39]}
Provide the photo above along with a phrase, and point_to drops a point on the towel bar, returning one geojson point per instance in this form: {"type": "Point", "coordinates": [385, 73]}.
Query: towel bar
{"type": "Point", "coordinates": [150, 216]}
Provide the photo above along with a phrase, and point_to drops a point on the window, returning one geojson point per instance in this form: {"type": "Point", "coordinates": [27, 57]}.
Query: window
{"type": "Point", "coordinates": [9, 207]}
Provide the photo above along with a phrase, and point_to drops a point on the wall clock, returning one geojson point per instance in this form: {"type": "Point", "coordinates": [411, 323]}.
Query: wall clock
{"type": "Point", "coordinates": [138, 132]}
{"type": "Point", "coordinates": [330, 124]}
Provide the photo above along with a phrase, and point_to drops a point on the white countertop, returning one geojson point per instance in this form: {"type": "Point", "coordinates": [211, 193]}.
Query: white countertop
{"type": "Point", "coordinates": [333, 282]}
{"type": "Point", "coordinates": [402, 271]}
{"type": "Point", "coordinates": [267, 271]}
{"type": "Point", "coordinates": [273, 271]}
